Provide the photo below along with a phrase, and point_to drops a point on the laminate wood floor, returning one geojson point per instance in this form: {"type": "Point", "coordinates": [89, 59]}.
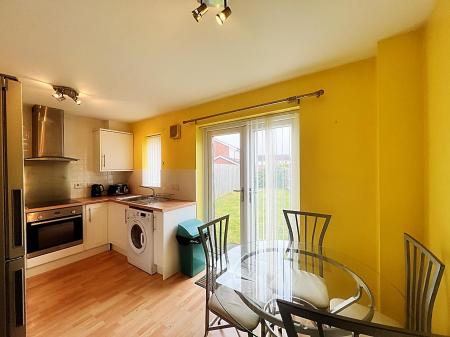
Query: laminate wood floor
{"type": "Point", "coordinates": [104, 296]}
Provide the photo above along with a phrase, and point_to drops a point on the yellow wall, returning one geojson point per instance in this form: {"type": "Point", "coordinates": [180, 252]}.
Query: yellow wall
{"type": "Point", "coordinates": [400, 154]}
{"type": "Point", "coordinates": [437, 47]}
{"type": "Point", "coordinates": [338, 148]}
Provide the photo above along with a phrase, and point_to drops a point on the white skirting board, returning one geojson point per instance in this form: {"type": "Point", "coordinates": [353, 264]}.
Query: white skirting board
{"type": "Point", "coordinates": [44, 263]}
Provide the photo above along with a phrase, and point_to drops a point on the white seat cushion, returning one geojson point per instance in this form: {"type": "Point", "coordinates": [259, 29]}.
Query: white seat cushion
{"type": "Point", "coordinates": [311, 288]}
{"type": "Point", "coordinates": [358, 311]}
{"type": "Point", "coordinates": [226, 304]}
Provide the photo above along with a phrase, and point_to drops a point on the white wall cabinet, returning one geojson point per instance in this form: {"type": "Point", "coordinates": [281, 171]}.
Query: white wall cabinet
{"type": "Point", "coordinates": [95, 225]}
{"type": "Point", "coordinates": [117, 226]}
{"type": "Point", "coordinates": [114, 150]}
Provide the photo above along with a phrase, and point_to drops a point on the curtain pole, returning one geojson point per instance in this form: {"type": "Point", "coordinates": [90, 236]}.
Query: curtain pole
{"type": "Point", "coordinates": [291, 99]}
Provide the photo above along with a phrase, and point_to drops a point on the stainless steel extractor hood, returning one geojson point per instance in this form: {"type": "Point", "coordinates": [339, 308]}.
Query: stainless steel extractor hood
{"type": "Point", "coordinates": [48, 134]}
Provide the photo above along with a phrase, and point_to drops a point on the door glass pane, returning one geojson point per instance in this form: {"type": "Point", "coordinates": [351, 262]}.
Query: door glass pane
{"type": "Point", "coordinates": [226, 181]}
{"type": "Point", "coordinates": [136, 233]}
{"type": "Point", "coordinates": [274, 175]}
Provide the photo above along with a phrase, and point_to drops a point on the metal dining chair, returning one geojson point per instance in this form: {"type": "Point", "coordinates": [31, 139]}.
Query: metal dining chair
{"type": "Point", "coordinates": [309, 228]}
{"type": "Point", "coordinates": [326, 324]}
{"type": "Point", "coordinates": [222, 301]}
{"type": "Point", "coordinates": [423, 276]}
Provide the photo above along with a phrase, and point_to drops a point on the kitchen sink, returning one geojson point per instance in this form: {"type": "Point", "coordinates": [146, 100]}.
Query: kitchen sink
{"type": "Point", "coordinates": [143, 199]}
{"type": "Point", "coordinates": [130, 198]}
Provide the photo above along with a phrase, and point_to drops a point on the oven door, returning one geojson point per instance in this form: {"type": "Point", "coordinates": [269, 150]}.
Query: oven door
{"type": "Point", "coordinates": [47, 236]}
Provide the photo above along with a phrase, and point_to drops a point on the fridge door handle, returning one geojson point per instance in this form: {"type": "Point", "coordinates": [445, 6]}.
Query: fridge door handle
{"type": "Point", "coordinates": [16, 236]}
{"type": "Point", "coordinates": [16, 298]}
{"type": "Point", "coordinates": [17, 218]}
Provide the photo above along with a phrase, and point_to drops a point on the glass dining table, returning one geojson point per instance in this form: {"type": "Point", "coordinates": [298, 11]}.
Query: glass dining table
{"type": "Point", "coordinates": [262, 272]}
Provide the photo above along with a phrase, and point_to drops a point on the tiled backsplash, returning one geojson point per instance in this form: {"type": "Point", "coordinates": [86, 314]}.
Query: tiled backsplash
{"type": "Point", "coordinates": [180, 184]}
{"type": "Point", "coordinates": [79, 143]}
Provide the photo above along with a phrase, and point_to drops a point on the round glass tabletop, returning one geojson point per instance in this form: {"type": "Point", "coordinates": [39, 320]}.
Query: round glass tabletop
{"type": "Point", "coordinates": [262, 272]}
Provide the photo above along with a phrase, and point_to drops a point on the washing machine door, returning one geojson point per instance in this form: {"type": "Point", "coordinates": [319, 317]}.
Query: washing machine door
{"type": "Point", "coordinates": [137, 237]}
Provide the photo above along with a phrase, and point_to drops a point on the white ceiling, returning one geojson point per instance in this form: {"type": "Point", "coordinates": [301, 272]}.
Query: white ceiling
{"type": "Point", "coordinates": [135, 59]}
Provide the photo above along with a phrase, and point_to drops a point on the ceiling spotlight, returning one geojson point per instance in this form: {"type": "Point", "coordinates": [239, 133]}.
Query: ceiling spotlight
{"type": "Point", "coordinates": [59, 96]}
{"type": "Point", "coordinates": [199, 12]}
{"type": "Point", "coordinates": [61, 92]}
{"type": "Point", "coordinates": [223, 15]}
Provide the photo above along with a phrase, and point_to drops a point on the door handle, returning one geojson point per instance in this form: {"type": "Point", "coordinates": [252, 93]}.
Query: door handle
{"type": "Point", "coordinates": [104, 160]}
{"type": "Point", "coordinates": [241, 190]}
{"type": "Point", "coordinates": [90, 217]}
{"type": "Point", "coordinates": [142, 239]}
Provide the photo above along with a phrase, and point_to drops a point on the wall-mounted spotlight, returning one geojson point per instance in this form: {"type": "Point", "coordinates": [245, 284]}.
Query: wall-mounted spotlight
{"type": "Point", "coordinates": [61, 92]}
{"type": "Point", "coordinates": [200, 11]}
{"type": "Point", "coordinates": [221, 17]}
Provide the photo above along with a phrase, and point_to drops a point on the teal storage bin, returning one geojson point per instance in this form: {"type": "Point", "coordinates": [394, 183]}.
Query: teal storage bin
{"type": "Point", "coordinates": [192, 257]}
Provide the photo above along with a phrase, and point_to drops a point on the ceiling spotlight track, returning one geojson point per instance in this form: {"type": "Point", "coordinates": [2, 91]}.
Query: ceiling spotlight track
{"type": "Point", "coordinates": [221, 17]}
{"type": "Point", "coordinates": [61, 92]}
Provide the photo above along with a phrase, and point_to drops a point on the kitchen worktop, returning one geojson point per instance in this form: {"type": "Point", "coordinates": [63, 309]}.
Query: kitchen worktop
{"type": "Point", "coordinates": [162, 206]}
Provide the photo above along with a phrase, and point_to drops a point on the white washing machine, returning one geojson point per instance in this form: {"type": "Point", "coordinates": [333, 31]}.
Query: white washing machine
{"type": "Point", "coordinates": [140, 239]}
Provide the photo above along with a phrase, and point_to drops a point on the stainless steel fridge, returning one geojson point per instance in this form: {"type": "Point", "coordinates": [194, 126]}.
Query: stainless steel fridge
{"type": "Point", "coordinates": [12, 229]}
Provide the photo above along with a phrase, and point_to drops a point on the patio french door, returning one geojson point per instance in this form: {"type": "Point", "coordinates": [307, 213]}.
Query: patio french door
{"type": "Point", "coordinates": [252, 173]}
{"type": "Point", "coordinates": [226, 149]}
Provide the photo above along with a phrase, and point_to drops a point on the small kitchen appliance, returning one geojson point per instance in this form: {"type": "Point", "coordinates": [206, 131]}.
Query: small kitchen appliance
{"type": "Point", "coordinates": [118, 189]}
{"type": "Point", "coordinates": [96, 190]}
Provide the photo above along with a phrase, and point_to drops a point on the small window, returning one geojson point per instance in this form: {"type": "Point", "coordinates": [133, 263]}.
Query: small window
{"type": "Point", "coordinates": [151, 164]}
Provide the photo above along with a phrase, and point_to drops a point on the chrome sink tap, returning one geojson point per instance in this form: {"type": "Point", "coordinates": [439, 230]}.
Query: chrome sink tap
{"type": "Point", "coordinates": [150, 188]}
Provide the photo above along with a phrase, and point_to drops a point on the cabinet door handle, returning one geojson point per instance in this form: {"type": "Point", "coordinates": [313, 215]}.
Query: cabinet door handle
{"type": "Point", "coordinates": [104, 160]}
{"type": "Point", "coordinates": [90, 217]}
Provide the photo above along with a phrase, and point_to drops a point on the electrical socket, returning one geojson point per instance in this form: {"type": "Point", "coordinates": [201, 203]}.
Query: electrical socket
{"type": "Point", "coordinates": [78, 186]}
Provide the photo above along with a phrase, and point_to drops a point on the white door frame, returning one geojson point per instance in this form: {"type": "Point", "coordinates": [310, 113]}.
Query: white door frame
{"type": "Point", "coordinates": [209, 132]}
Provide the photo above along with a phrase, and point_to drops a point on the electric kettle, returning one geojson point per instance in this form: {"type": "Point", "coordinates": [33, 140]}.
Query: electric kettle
{"type": "Point", "coordinates": [96, 190]}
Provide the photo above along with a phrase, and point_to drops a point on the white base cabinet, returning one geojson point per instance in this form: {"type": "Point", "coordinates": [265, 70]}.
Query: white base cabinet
{"type": "Point", "coordinates": [105, 223]}
{"type": "Point", "coordinates": [165, 225]}
{"type": "Point", "coordinates": [117, 226]}
{"type": "Point", "coordinates": [95, 225]}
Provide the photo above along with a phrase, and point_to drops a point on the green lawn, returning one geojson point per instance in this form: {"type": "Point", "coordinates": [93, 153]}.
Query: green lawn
{"type": "Point", "coordinates": [230, 204]}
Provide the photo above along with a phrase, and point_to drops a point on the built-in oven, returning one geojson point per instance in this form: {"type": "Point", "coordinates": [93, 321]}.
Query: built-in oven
{"type": "Point", "coordinates": [55, 229]}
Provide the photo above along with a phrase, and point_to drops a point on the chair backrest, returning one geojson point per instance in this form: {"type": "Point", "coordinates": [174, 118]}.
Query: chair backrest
{"type": "Point", "coordinates": [308, 229]}
{"type": "Point", "coordinates": [213, 236]}
{"type": "Point", "coordinates": [327, 324]}
{"type": "Point", "coordinates": [423, 276]}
